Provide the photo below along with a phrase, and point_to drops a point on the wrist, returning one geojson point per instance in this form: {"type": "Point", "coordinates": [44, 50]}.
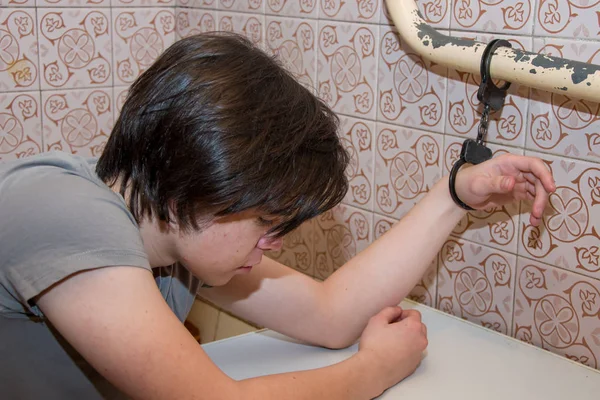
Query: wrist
{"type": "Point", "coordinates": [370, 367]}
{"type": "Point", "coordinates": [448, 206]}
{"type": "Point", "coordinates": [454, 188]}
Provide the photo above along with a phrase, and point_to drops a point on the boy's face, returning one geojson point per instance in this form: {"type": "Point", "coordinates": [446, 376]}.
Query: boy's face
{"type": "Point", "coordinates": [229, 246]}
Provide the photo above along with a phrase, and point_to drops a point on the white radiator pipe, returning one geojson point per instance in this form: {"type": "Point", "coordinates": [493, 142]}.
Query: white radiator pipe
{"type": "Point", "coordinates": [559, 75]}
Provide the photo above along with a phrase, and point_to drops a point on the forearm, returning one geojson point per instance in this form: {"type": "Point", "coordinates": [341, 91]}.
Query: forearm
{"type": "Point", "coordinates": [385, 272]}
{"type": "Point", "coordinates": [353, 378]}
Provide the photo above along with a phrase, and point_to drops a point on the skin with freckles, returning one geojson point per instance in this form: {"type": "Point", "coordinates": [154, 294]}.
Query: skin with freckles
{"type": "Point", "coordinates": [220, 251]}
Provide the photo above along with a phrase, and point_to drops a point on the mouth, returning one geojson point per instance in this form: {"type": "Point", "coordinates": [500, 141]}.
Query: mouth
{"type": "Point", "coordinates": [246, 268]}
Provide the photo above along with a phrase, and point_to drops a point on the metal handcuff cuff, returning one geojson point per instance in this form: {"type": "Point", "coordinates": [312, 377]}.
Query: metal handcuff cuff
{"type": "Point", "coordinates": [475, 151]}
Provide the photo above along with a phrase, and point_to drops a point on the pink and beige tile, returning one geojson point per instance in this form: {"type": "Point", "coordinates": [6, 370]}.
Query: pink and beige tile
{"type": "Point", "coordinates": [506, 126]}
{"type": "Point", "coordinates": [18, 50]}
{"type": "Point", "coordinates": [294, 41]}
{"type": "Point", "coordinates": [571, 19]}
{"type": "Point", "coordinates": [248, 6]}
{"type": "Point", "coordinates": [142, 3]}
{"type": "Point", "coordinates": [18, 3]}
{"type": "Point", "coordinates": [292, 8]}
{"type": "Point", "coordinates": [20, 125]}
{"type": "Point", "coordinates": [558, 123]}
{"type": "Point", "coordinates": [435, 12]}
{"type": "Point", "coordinates": [412, 91]}
{"type": "Point", "coordinates": [347, 67]}
{"type": "Point", "coordinates": [477, 283]}
{"type": "Point", "coordinates": [72, 3]}
{"type": "Point", "coordinates": [340, 234]}
{"type": "Point", "coordinates": [140, 35]}
{"type": "Point", "coordinates": [119, 97]}
{"type": "Point", "coordinates": [425, 291]}
{"type": "Point", "coordinates": [77, 121]}
{"type": "Point", "coordinates": [514, 16]}
{"type": "Point", "coordinates": [407, 164]}
{"type": "Point", "coordinates": [568, 237]}
{"type": "Point", "coordinates": [190, 21]}
{"type": "Point", "coordinates": [357, 138]}
{"type": "Point", "coordinates": [496, 227]}
{"type": "Point", "coordinates": [206, 4]}
{"type": "Point", "coordinates": [355, 11]}
{"type": "Point", "coordinates": [298, 249]}
{"type": "Point", "coordinates": [251, 26]}
{"type": "Point", "coordinates": [74, 47]}
{"type": "Point", "coordinates": [558, 310]}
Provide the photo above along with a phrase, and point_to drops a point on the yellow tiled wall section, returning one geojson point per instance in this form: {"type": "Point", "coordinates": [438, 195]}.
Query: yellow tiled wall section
{"type": "Point", "coordinates": [209, 323]}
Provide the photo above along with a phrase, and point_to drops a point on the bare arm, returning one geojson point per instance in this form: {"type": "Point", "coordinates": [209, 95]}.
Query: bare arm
{"type": "Point", "coordinates": [116, 318]}
{"type": "Point", "coordinates": [334, 313]}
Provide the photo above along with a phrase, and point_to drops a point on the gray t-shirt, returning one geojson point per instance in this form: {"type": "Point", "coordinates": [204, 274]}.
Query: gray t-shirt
{"type": "Point", "coordinates": [57, 218]}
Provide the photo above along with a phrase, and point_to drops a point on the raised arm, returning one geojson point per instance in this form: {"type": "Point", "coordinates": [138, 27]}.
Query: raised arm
{"type": "Point", "coordinates": [335, 312]}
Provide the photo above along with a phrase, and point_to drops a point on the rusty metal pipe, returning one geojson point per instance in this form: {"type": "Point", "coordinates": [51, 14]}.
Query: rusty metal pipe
{"type": "Point", "coordinates": [559, 75]}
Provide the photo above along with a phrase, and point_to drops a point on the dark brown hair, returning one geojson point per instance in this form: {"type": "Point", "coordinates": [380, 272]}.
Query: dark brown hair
{"type": "Point", "coordinates": [216, 126]}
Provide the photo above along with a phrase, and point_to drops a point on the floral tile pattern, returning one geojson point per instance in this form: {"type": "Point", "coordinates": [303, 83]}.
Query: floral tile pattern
{"type": "Point", "coordinates": [20, 125]}
{"type": "Point", "coordinates": [142, 3]}
{"type": "Point", "coordinates": [18, 3]}
{"type": "Point", "coordinates": [568, 237]}
{"type": "Point", "coordinates": [250, 6]}
{"type": "Point", "coordinates": [558, 310]}
{"type": "Point", "coordinates": [294, 41]}
{"type": "Point", "coordinates": [250, 25]}
{"type": "Point", "coordinates": [566, 18]}
{"type": "Point", "coordinates": [477, 283]}
{"type": "Point", "coordinates": [407, 164]}
{"type": "Point", "coordinates": [412, 91]}
{"type": "Point", "coordinates": [74, 47]}
{"type": "Point", "coordinates": [18, 50]}
{"type": "Point", "coordinates": [77, 121]}
{"type": "Point", "coordinates": [295, 8]}
{"type": "Point", "coordinates": [357, 138]}
{"type": "Point", "coordinates": [206, 4]}
{"type": "Point", "coordinates": [140, 35]}
{"type": "Point", "coordinates": [119, 96]}
{"type": "Point", "coordinates": [425, 291]}
{"type": "Point", "coordinates": [298, 249]}
{"type": "Point", "coordinates": [514, 16]}
{"type": "Point", "coordinates": [347, 67]}
{"type": "Point", "coordinates": [339, 235]}
{"type": "Point", "coordinates": [72, 3]}
{"type": "Point", "coordinates": [355, 11]}
{"type": "Point", "coordinates": [189, 21]}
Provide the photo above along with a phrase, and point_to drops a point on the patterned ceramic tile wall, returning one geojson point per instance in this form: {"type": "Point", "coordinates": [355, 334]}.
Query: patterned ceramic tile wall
{"type": "Point", "coordinates": [65, 66]}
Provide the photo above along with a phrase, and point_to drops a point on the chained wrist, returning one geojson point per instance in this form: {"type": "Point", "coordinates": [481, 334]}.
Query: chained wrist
{"type": "Point", "coordinates": [452, 185]}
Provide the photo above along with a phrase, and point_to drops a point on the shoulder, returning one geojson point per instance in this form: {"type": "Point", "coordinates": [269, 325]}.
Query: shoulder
{"type": "Point", "coordinates": [58, 189]}
{"type": "Point", "coordinates": [59, 219]}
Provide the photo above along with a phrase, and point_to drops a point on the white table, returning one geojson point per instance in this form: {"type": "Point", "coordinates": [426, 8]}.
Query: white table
{"type": "Point", "coordinates": [463, 361]}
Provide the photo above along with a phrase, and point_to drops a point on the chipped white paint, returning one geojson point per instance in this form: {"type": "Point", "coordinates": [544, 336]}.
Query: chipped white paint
{"type": "Point", "coordinates": [572, 78]}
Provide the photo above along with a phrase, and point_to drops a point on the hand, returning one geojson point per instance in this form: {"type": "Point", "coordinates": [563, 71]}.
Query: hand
{"type": "Point", "coordinates": [394, 341]}
{"type": "Point", "coordinates": [505, 179]}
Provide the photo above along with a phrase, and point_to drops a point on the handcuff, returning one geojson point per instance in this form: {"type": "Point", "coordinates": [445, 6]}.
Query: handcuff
{"type": "Point", "coordinates": [492, 97]}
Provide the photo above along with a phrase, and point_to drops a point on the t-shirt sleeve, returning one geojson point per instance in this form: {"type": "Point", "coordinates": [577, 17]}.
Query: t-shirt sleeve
{"type": "Point", "coordinates": [55, 224]}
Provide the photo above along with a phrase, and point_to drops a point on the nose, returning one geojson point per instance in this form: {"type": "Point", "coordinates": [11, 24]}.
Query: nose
{"type": "Point", "coordinates": [270, 243]}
